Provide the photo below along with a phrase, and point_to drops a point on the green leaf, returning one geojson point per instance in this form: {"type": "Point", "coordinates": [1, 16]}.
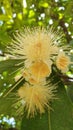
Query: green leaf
{"type": "Point", "coordinates": [4, 17]}
{"type": "Point", "coordinates": [36, 123]}
{"type": "Point", "coordinates": [69, 90]}
{"type": "Point", "coordinates": [62, 116]}
{"type": "Point", "coordinates": [43, 4]}
{"type": "Point", "coordinates": [6, 105]}
{"type": "Point", "coordinates": [5, 81]}
{"type": "Point", "coordinates": [4, 37]}
{"type": "Point", "coordinates": [11, 65]}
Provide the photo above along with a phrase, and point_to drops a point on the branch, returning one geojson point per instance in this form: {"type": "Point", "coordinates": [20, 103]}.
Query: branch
{"type": "Point", "coordinates": [66, 79]}
{"type": "Point", "coordinates": [62, 24]}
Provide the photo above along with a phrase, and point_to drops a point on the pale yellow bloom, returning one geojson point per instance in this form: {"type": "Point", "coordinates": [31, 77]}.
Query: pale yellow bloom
{"type": "Point", "coordinates": [32, 80]}
{"type": "Point", "coordinates": [40, 70]}
{"type": "Point", "coordinates": [62, 62]}
{"type": "Point", "coordinates": [37, 71]}
{"type": "Point", "coordinates": [29, 77]}
{"type": "Point", "coordinates": [35, 45]}
{"type": "Point", "coordinates": [38, 48]}
{"type": "Point", "coordinates": [36, 98]}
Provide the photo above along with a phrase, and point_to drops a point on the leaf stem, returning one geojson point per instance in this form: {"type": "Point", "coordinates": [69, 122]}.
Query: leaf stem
{"type": "Point", "coordinates": [49, 119]}
{"type": "Point", "coordinates": [13, 86]}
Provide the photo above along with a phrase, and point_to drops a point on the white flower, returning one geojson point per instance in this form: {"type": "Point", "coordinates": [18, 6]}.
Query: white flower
{"type": "Point", "coordinates": [35, 45]}
{"type": "Point", "coordinates": [62, 62]}
{"type": "Point", "coordinates": [40, 70]}
{"type": "Point", "coordinates": [36, 98]}
{"type": "Point", "coordinates": [37, 72]}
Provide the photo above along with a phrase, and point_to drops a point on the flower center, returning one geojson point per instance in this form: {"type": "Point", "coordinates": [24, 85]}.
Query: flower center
{"type": "Point", "coordinates": [38, 48]}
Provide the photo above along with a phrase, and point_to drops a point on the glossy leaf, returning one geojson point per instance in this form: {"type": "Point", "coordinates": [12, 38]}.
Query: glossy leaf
{"type": "Point", "coordinates": [11, 65]}
{"type": "Point", "coordinates": [62, 114]}
{"type": "Point", "coordinates": [36, 123]}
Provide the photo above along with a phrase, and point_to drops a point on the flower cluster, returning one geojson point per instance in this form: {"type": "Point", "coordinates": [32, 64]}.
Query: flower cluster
{"type": "Point", "coordinates": [40, 49]}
